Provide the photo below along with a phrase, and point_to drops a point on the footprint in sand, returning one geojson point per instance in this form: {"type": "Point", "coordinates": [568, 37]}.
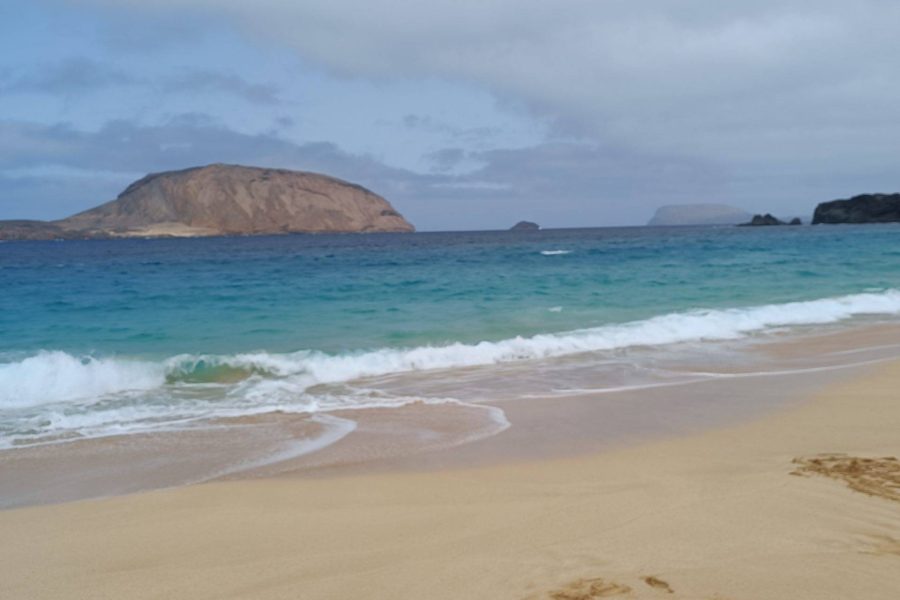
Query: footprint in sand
{"type": "Point", "coordinates": [883, 545]}
{"type": "Point", "coordinates": [659, 584]}
{"type": "Point", "coordinates": [873, 476]}
{"type": "Point", "coordinates": [586, 589]}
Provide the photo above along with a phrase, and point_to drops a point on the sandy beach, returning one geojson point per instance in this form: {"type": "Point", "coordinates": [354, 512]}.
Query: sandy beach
{"type": "Point", "coordinates": [449, 301]}
{"type": "Point", "coordinates": [802, 503]}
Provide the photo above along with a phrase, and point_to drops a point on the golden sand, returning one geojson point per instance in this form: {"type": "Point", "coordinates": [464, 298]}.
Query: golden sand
{"type": "Point", "coordinates": [798, 505]}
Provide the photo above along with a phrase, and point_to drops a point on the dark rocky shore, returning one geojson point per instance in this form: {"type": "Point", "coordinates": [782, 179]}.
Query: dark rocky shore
{"type": "Point", "coordinates": [865, 208]}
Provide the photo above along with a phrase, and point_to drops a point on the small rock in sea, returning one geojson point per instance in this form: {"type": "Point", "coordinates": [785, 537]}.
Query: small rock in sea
{"type": "Point", "coordinates": [762, 221]}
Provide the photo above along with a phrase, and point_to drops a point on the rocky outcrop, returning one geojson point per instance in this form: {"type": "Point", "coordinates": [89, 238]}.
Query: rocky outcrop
{"type": "Point", "coordinates": [698, 214]}
{"type": "Point", "coordinates": [763, 221]}
{"type": "Point", "coordinates": [795, 221]}
{"type": "Point", "coordinates": [525, 226]}
{"type": "Point", "coordinates": [224, 200]}
{"type": "Point", "coordinates": [865, 208]}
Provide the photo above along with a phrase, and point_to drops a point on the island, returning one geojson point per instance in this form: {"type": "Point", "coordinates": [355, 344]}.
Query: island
{"type": "Point", "coordinates": [865, 208]}
{"type": "Point", "coordinates": [224, 199]}
{"type": "Point", "coordinates": [525, 226]}
{"type": "Point", "coordinates": [697, 214]}
{"type": "Point", "coordinates": [765, 220]}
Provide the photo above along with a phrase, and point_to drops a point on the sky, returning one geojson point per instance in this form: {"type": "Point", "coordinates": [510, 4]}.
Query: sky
{"type": "Point", "coordinates": [464, 114]}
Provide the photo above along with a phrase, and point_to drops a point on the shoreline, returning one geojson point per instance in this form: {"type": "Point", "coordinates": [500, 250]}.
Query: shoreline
{"type": "Point", "coordinates": [760, 379]}
{"type": "Point", "coordinates": [715, 514]}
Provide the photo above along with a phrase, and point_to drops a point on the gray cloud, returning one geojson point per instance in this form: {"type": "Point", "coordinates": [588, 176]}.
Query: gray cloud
{"type": "Point", "coordinates": [68, 76]}
{"type": "Point", "coordinates": [762, 82]}
{"type": "Point", "coordinates": [284, 122]}
{"type": "Point", "coordinates": [446, 159]}
{"type": "Point", "coordinates": [131, 149]}
{"type": "Point", "coordinates": [122, 146]}
{"type": "Point", "coordinates": [49, 171]}
{"type": "Point", "coordinates": [120, 33]}
{"type": "Point", "coordinates": [84, 75]}
{"type": "Point", "coordinates": [470, 135]}
{"type": "Point", "coordinates": [205, 81]}
{"type": "Point", "coordinates": [560, 184]}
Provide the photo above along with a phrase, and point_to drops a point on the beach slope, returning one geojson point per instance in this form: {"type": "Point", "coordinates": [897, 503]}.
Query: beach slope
{"type": "Point", "coordinates": [784, 507]}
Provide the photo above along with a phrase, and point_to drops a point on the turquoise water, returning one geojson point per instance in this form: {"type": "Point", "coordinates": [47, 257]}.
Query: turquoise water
{"type": "Point", "coordinates": [135, 333]}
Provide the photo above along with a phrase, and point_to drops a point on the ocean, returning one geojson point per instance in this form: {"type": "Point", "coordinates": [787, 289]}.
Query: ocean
{"type": "Point", "coordinates": [114, 338]}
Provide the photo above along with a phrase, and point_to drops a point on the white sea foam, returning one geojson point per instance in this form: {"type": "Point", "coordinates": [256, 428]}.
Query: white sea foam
{"type": "Point", "coordinates": [555, 252]}
{"type": "Point", "coordinates": [308, 368]}
{"type": "Point", "coordinates": [58, 376]}
{"type": "Point", "coordinates": [53, 377]}
{"type": "Point", "coordinates": [335, 429]}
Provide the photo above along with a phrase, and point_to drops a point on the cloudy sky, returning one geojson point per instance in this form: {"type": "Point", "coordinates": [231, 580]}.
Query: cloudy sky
{"type": "Point", "coordinates": [466, 115]}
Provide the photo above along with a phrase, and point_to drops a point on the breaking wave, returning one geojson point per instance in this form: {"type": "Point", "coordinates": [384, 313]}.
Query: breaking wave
{"type": "Point", "coordinates": [54, 376]}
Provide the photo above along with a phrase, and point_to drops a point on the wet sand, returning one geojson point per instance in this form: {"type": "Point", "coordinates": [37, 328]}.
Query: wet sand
{"type": "Point", "coordinates": [799, 503]}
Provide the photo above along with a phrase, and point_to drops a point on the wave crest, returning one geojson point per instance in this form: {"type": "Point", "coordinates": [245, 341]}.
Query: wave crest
{"type": "Point", "coordinates": [56, 376]}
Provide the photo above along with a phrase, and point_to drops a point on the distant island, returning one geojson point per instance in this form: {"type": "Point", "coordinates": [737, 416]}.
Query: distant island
{"type": "Point", "coordinates": [223, 199]}
{"type": "Point", "coordinates": [525, 226]}
{"type": "Point", "coordinates": [865, 208]}
{"type": "Point", "coordinates": [768, 220]}
{"type": "Point", "coordinates": [698, 214]}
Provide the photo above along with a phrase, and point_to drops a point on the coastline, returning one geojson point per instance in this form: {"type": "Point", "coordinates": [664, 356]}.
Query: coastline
{"type": "Point", "coordinates": [499, 423]}
{"type": "Point", "coordinates": [715, 514]}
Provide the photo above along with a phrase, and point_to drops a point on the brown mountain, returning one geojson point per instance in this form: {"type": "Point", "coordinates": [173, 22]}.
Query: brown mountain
{"type": "Point", "coordinates": [230, 200]}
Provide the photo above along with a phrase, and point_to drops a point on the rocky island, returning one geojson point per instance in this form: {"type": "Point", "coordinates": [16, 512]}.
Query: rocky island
{"type": "Point", "coordinates": [865, 208]}
{"type": "Point", "coordinates": [525, 226]}
{"type": "Point", "coordinates": [767, 220]}
{"type": "Point", "coordinates": [697, 214]}
{"type": "Point", "coordinates": [224, 200]}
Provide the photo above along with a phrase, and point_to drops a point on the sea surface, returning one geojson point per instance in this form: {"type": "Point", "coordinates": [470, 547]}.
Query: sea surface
{"type": "Point", "coordinates": [111, 338]}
